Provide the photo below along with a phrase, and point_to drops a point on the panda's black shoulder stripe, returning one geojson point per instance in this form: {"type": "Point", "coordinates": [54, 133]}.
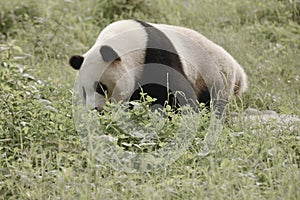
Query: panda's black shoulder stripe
{"type": "Point", "coordinates": [160, 49]}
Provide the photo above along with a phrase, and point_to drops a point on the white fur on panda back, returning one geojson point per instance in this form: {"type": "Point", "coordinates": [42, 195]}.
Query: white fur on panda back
{"type": "Point", "coordinates": [224, 62]}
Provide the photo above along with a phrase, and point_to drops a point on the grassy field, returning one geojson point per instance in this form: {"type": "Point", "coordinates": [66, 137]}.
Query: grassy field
{"type": "Point", "coordinates": [42, 155]}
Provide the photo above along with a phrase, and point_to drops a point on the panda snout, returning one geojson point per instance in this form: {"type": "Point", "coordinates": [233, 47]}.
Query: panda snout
{"type": "Point", "coordinates": [99, 109]}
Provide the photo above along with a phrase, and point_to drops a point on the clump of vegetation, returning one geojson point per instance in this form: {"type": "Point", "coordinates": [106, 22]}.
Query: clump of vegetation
{"type": "Point", "coordinates": [15, 15]}
{"type": "Point", "coordinates": [128, 9]}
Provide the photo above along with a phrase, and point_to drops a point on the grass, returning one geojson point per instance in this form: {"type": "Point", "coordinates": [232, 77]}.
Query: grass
{"type": "Point", "coordinates": [42, 155]}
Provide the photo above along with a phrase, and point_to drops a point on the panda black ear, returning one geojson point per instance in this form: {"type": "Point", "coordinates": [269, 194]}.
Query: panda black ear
{"type": "Point", "coordinates": [108, 54]}
{"type": "Point", "coordinates": [76, 61]}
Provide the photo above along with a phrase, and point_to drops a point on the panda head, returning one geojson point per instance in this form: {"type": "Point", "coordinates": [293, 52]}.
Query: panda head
{"type": "Point", "coordinates": [103, 74]}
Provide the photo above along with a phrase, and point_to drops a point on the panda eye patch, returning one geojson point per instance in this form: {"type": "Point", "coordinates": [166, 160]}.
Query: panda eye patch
{"type": "Point", "coordinates": [100, 88]}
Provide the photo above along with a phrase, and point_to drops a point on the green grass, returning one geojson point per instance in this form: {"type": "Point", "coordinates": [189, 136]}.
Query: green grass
{"type": "Point", "coordinates": [42, 155]}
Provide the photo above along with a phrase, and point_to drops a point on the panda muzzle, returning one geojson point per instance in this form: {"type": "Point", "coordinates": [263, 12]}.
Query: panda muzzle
{"type": "Point", "coordinates": [99, 109]}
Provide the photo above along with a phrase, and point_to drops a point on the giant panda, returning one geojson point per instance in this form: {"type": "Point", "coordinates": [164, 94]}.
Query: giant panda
{"type": "Point", "coordinates": [132, 56]}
